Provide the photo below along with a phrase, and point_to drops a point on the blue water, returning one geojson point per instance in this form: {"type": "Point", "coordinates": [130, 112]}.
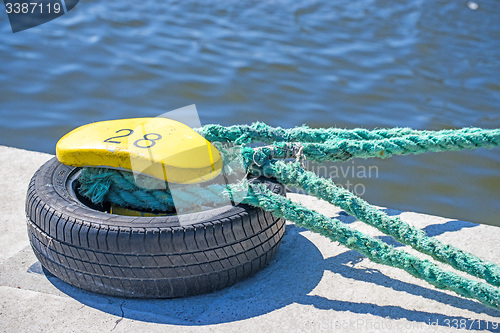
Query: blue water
{"type": "Point", "coordinates": [422, 64]}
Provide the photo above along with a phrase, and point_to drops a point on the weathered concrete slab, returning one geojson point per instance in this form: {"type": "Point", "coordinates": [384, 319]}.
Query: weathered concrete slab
{"type": "Point", "coordinates": [312, 285]}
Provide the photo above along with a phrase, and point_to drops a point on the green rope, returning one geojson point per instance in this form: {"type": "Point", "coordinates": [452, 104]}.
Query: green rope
{"type": "Point", "coordinates": [342, 149]}
{"type": "Point", "coordinates": [372, 248]}
{"type": "Point", "coordinates": [260, 132]}
{"type": "Point", "coordinates": [294, 175]}
{"type": "Point", "coordinates": [120, 188]}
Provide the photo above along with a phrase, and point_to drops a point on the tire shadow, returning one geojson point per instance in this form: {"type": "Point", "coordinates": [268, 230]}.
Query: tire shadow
{"type": "Point", "coordinates": [290, 275]}
{"type": "Point", "coordinates": [294, 273]}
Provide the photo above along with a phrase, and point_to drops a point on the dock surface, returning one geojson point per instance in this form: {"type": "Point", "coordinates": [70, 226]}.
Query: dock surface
{"type": "Point", "coordinates": [313, 284]}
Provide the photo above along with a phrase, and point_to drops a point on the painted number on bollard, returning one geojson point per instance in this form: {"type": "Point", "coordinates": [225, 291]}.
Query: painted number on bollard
{"type": "Point", "coordinates": [145, 137]}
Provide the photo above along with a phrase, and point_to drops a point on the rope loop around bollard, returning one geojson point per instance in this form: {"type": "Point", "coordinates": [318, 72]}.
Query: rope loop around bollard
{"type": "Point", "coordinates": [322, 145]}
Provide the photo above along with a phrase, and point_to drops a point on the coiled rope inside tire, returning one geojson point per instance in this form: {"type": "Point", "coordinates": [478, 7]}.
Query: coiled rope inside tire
{"type": "Point", "coordinates": [145, 257]}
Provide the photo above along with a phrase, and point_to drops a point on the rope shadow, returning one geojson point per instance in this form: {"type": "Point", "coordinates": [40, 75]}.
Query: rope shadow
{"type": "Point", "coordinates": [345, 218]}
{"type": "Point", "coordinates": [344, 264]}
{"type": "Point", "coordinates": [450, 226]}
{"type": "Point", "coordinates": [425, 321]}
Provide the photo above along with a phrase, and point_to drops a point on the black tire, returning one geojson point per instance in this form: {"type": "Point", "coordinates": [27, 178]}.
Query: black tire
{"type": "Point", "coordinates": [145, 257]}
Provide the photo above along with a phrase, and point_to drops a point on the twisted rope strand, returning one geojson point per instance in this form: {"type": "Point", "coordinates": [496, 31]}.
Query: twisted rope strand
{"type": "Point", "coordinates": [375, 250]}
{"type": "Point", "coordinates": [343, 150]}
{"type": "Point", "coordinates": [293, 175]}
{"type": "Point", "coordinates": [260, 132]}
{"type": "Point", "coordinates": [120, 188]}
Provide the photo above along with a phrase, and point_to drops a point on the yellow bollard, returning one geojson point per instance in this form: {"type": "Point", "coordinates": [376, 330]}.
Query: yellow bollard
{"type": "Point", "coordinates": [158, 147]}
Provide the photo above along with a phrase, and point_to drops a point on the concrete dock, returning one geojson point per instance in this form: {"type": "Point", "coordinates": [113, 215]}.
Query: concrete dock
{"type": "Point", "coordinates": [312, 285]}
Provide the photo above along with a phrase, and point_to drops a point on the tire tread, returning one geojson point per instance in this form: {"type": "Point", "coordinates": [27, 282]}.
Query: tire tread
{"type": "Point", "coordinates": [114, 255]}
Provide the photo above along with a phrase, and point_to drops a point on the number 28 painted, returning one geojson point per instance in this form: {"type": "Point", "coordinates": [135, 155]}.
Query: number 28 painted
{"type": "Point", "coordinates": [146, 138]}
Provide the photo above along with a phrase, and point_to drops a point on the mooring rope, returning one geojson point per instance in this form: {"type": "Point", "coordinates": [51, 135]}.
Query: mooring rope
{"type": "Point", "coordinates": [260, 132]}
{"type": "Point", "coordinates": [372, 248]}
{"type": "Point", "coordinates": [343, 149]}
{"type": "Point", "coordinates": [120, 188]}
{"type": "Point", "coordinates": [294, 175]}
